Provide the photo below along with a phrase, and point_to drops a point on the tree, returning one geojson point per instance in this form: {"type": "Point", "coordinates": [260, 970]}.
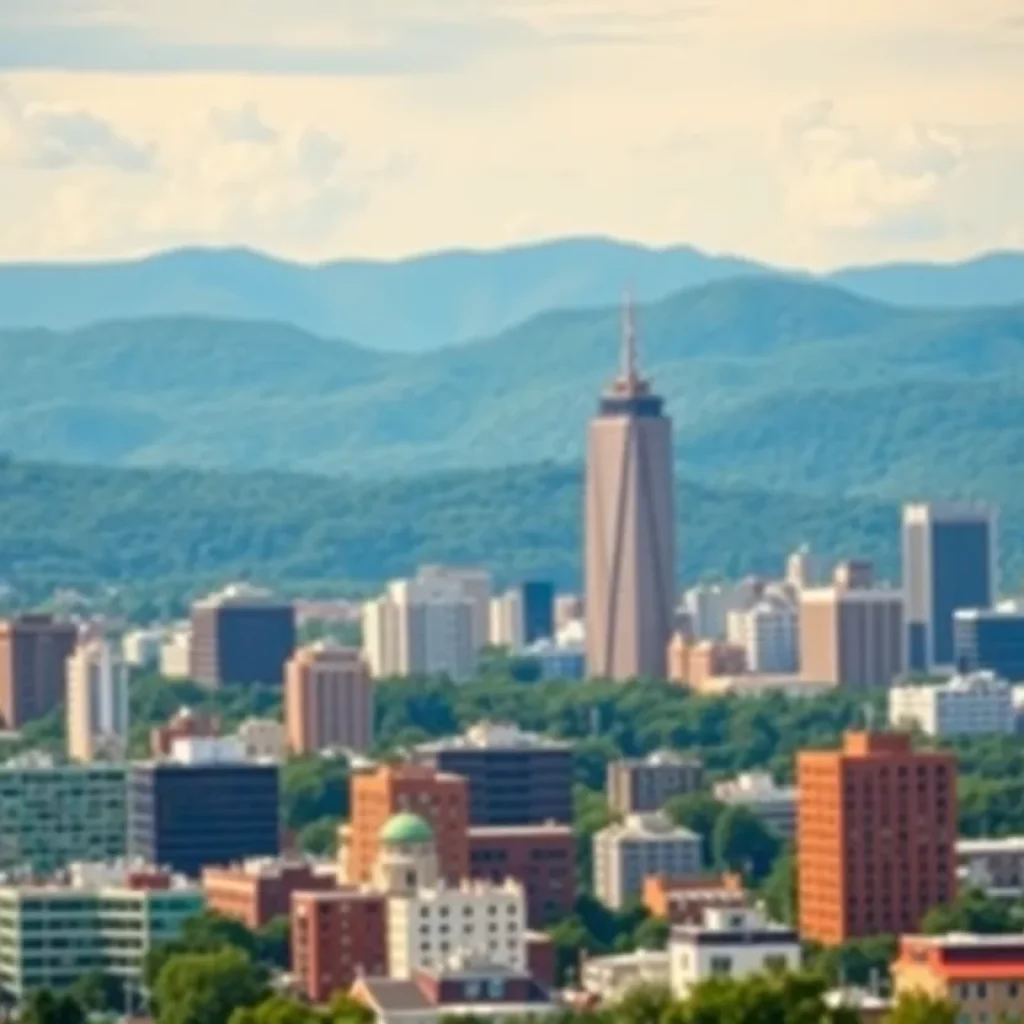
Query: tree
{"type": "Point", "coordinates": [742, 842]}
{"type": "Point", "coordinates": [779, 889]}
{"type": "Point", "coordinates": [320, 838]}
{"type": "Point", "coordinates": [644, 1004]}
{"type": "Point", "coordinates": [919, 1009]}
{"type": "Point", "coordinates": [273, 943]}
{"type": "Point", "coordinates": [971, 911]}
{"type": "Point", "coordinates": [858, 962]}
{"type": "Point", "coordinates": [205, 988]}
{"type": "Point", "coordinates": [343, 1009]}
{"type": "Point", "coordinates": [206, 932]}
{"type": "Point", "coordinates": [652, 933]}
{"type": "Point", "coordinates": [278, 1009]}
{"type": "Point", "coordinates": [98, 993]}
{"type": "Point", "coordinates": [313, 788]}
{"type": "Point", "coordinates": [698, 812]}
{"type": "Point", "coordinates": [46, 1007]}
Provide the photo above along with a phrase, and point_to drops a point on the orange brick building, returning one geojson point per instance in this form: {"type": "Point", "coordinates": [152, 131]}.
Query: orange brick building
{"type": "Point", "coordinates": [876, 837]}
{"type": "Point", "coordinates": [684, 900]}
{"type": "Point", "coordinates": [440, 798]}
{"type": "Point", "coordinates": [257, 891]}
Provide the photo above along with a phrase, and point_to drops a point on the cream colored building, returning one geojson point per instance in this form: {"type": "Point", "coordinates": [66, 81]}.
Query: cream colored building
{"type": "Point", "coordinates": [611, 977]}
{"type": "Point", "coordinates": [262, 739]}
{"type": "Point", "coordinates": [97, 702]}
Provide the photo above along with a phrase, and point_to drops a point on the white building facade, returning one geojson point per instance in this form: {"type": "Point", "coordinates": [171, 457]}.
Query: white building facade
{"type": "Point", "coordinates": [769, 634]}
{"type": "Point", "coordinates": [775, 805]}
{"type": "Point", "coordinates": [644, 844]}
{"type": "Point", "coordinates": [973, 705]}
{"type": "Point", "coordinates": [97, 702]}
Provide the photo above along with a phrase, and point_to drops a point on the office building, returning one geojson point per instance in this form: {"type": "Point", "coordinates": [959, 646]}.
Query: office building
{"type": "Point", "coordinates": [694, 663]}
{"type": "Point", "coordinates": [559, 659]}
{"type": "Point", "coordinates": [523, 615]}
{"type": "Point", "coordinates": [241, 635]}
{"type": "Point", "coordinates": [97, 703]}
{"type": "Point", "coordinates": [973, 705]}
{"type": "Point", "coordinates": [949, 563]}
{"type": "Point", "coordinates": [851, 634]}
{"type": "Point", "coordinates": [475, 585]}
{"type": "Point", "coordinates": [204, 806]}
{"type": "Point", "coordinates": [34, 650]}
{"type": "Point", "coordinates": [991, 640]}
{"type": "Point", "coordinates": [176, 654]}
{"type": "Point", "coordinates": [707, 605]}
{"type": "Point", "coordinates": [775, 805]}
{"type": "Point", "coordinates": [684, 900]}
{"type": "Point", "coordinates": [995, 866]}
{"type": "Point", "coordinates": [52, 815]}
{"type": "Point", "coordinates": [381, 792]}
{"type": "Point", "coordinates": [568, 609]}
{"type": "Point", "coordinates": [262, 739]}
{"type": "Point", "coordinates": [610, 978]}
{"type": "Point", "coordinates": [768, 634]}
{"type": "Point", "coordinates": [642, 784]}
{"type": "Point", "coordinates": [430, 922]}
{"type": "Point", "coordinates": [421, 627]}
{"type": "Point", "coordinates": [184, 724]}
{"type": "Point", "coordinates": [541, 858]}
{"type": "Point", "coordinates": [337, 937]}
{"type": "Point", "coordinates": [644, 844]}
{"type": "Point", "coordinates": [981, 975]}
{"type": "Point", "coordinates": [328, 700]}
{"type": "Point", "coordinates": [258, 890]}
{"type": "Point", "coordinates": [103, 920]}
{"type": "Point", "coordinates": [141, 649]}
{"type": "Point", "coordinates": [731, 942]}
{"type": "Point", "coordinates": [515, 778]}
{"type": "Point", "coordinates": [876, 837]}
{"type": "Point", "coordinates": [630, 548]}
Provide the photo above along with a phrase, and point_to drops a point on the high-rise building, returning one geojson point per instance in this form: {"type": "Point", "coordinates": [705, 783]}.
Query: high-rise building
{"type": "Point", "coordinates": [803, 569]}
{"type": "Point", "coordinates": [641, 785]}
{"type": "Point", "coordinates": [475, 585]}
{"type": "Point", "coordinates": [241, 635]}
{"type": "Point", "coordinates": [515, 777]}
{"type": "Point", "coordinates": [328, 700]}
{"type": "Point", "coordinates": [876, 837]}
{"type": "Point", "coordinates": [630, 545]}
{"type": "Point", "coordinates": [950, 561]}
{"type": "Point", "coordinates": [991, 640]}
{"type": "Point", "coordinates": [851, 634]}
{"type": "Point", "coordinates": [769, 635]}
{"type": "Point", "coordinates": [52, 815]}
{"type": "Point", "coordinates": [104, 920]}
{"type": "Point", "coordinates": [141, 648]}
{"type": "Point", "coordinates": [379, 793]}
{"type": "Point", "coordinates": [523, 615]}
{"type": "Point", "coordinates": [34, 650]}
{"type": "Point", "coordinates": [421, 627]}
{"type": "Point", "coordinates": [206, 806]}
{"type": "Point", "coordinates": [97, 706]}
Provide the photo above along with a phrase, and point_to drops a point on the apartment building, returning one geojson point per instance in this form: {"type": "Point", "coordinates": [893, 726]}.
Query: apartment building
{"type": "Point", "coordinates": [641, 785]}
{"type": "Point", "coordinates": [978, 704]}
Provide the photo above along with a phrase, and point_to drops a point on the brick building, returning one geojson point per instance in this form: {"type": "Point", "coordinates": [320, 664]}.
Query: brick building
{"type": "Point", "coordinates": [440, 798]}
{"type": "Point", "coordinates": [34, 650]}
{"type": "Point", "coordinates": [540, 857]}
{"type": "Point", "coordinates": [184, 724]}
{"type": "Point", "coordinates": [684, 900]}
{"type": "Point", "coordinates": [258, 890]}
{"type": "Point", "coordinates": [876, 837]}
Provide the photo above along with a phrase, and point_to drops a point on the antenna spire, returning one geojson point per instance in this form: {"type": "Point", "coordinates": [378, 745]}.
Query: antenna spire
{"type": "Point", "coordinates": [629, 372]}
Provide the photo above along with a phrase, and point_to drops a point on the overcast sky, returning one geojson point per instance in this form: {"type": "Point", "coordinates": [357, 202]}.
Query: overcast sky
{"type": "Point", "coordinates": [810, 132]}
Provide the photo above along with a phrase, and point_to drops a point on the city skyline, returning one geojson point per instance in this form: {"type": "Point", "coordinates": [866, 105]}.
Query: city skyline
{"type": "Point", "coordinates": [352, 129]}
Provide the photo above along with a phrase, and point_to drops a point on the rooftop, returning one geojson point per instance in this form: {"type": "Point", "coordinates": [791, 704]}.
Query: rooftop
{"type": "Point", "coordinates": [1004, 844]}
{"type": "Point", "coordinates": [241, 595]}
{"type": "Point", "coordinates": [642, 826]}
{"type": "Point", "coordinates": [754, 786]}
{"type": "Point", "coordinates": [494, 736]}
{"type": "Point", "coordinates": [406, 829]}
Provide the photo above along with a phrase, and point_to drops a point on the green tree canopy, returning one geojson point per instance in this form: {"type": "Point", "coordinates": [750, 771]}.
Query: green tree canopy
{"type": "Point", "coordinates": [742, 842]}
{"type": "Point", "coordinates": [206, 988]}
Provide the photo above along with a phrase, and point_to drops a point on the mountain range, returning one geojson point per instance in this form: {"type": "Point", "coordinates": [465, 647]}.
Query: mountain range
{"type": "Point", "coordinates": [427, 302]}
{"type": "Point", "coordinates": [772, 382]}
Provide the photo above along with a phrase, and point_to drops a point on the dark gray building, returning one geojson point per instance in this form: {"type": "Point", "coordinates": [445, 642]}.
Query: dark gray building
{"type": "Point", "coordinates": [189, 814]}
{"type": "Point", "coordinates": [241, 635]}
{"type": "Point", "coordinates": [991, 640]}
{"type": "Point", "coordinates": [515, 778]}
{"type": "Point", "coordinates": [949, 563]}
{"type": "Point", "coordinates": [640, 785]}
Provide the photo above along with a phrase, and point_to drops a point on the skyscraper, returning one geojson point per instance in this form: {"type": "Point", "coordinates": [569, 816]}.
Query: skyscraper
{"type": "Point", "coordinates": [34, 650]}
{"type": "Point", "coordinates": [949, 563]}
{"type": "Point", "coordinates": [97, 713]}
{"type": "Point", "coordinates": [629, 528]}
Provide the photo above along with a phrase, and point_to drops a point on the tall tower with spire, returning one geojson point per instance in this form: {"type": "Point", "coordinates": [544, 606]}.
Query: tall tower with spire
{"type": "Point", "coordinates": [629, 528]}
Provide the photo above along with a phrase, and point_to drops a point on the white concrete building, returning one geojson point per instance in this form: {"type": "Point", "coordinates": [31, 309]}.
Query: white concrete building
{"type": "Point", "coordinates": [176, 654]}
{"type": "Point", "coordinates": [141, 648]}
{"type": "Point", "coordinates": [97, 702]}
{"type": "Point", "coordinates": [262, 739]}
{"type": "Point", "coordinates": [709, 604]}
{"type": "Point", "coordinates": [734, 942]}
{"type": "Point", "coordinates": [506, 620]}
{"type": "Point", "coordinates": [611, 977]}
{"type": "Point", "coordinates": [804, 569]}
{"type": "Point", "coordinates": [475, 585]}
{"type": "Point", "coordinates": [769, 634]}
{"type": "Point", "coordinates": [208, 750]}
{"type": "Point", "coordinates": [429, 923]}
{"type": "Point", "coordinates": [995, 866]}
{"type": "Point", "coordinates": [973, 705]}
{"type": "Point", "coordinates": [775, 805]}
{"type": "Point", "coordinates": [421, 627]}
{"type": "Point", "coordinates": [644, 844]}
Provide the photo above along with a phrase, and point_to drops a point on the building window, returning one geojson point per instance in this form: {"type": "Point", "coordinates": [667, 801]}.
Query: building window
{"type": "Point", "coordinates": [721, 966]}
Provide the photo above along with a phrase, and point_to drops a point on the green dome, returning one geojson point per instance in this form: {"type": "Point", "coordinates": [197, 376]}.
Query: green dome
{"type": "Point", "coordinates": [405, 829]}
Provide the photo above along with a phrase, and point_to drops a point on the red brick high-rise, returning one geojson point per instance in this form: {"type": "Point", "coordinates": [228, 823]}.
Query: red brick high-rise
{"type": "Point", "coordinates": [876, 837]}
{"type": "Point", "coordinates": [34, 650]}
{"type": "Point", "coordinates": [440, 798]}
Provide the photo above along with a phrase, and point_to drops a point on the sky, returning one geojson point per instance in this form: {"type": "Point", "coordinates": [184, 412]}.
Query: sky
{"type": "Point", "coordinates": [802, 132]}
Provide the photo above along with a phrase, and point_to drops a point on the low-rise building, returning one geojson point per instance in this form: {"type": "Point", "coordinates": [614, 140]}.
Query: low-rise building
{"type": "Point", "coordinates": [775, 805]}
{"type": "Point", "coordinates": [103, 919]}
{"type": "Point", "coordinates": [541, 858]}
{"type": "Point", "coordinates": [52, 815]}
{"type": "Point", "coordinates": [979, 704]}
{"type": "Point", "coordinates": [692, 662]}
{"type": "Point", "coordinates": [729, 943]}
{"type": "Point", "coordinates": [558, 659]}
{"type": "Point", "coordinates": [644, 844]}
{"type": "Point", "coordinates": [182, 725]}
{"type": "Point", "coordinates": [260, 889]}
{"type": "Point", "coordinates": [176, 654]}
{"type": "Point", "coordinates": [995, 866]}
{"type": "Point", "coordinates": [641, 785]}
{"type": "Point", "coordinates": [475, 989]}
{"type": "Point", "coordinates": [262, 739]}
{"type": "Point", "coordinates": [991, 639]}
{"type": "Point", "coordinates": [982, 974]}
{"type": "Point", "coordinates": [684, 900]}
{"type": "Point", "coordinates": [609, 978]}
